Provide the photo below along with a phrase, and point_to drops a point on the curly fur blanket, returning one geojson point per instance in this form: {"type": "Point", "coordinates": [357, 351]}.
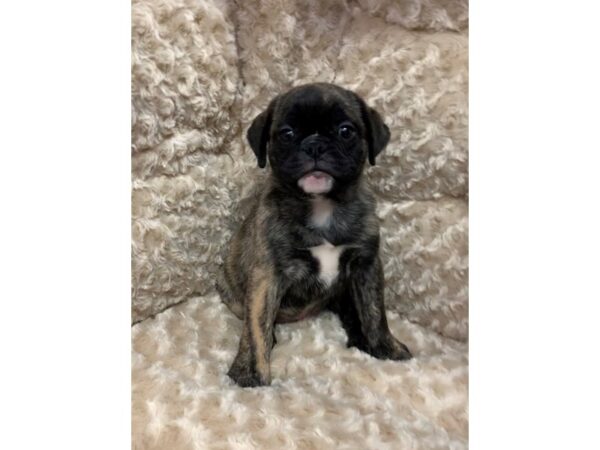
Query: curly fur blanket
{"type": "Point", "coordinates": [201, 70]}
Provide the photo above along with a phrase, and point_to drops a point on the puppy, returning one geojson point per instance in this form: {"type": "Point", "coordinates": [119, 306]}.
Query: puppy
{"type": "Point", "coordinates": [311, 240]}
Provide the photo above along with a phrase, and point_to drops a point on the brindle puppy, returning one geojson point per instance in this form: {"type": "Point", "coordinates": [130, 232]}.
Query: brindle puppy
{"type": "Point", "coordinates": [311, 240]}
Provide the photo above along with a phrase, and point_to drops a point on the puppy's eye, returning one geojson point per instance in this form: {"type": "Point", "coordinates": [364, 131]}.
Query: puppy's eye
{"type": "Point", "coordinates": [286, 134]}
{"type": "Point", "coordinates": [346, 131]}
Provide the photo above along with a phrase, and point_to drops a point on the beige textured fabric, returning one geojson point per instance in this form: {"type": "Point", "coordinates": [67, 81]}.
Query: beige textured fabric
{"type": "Point", "coordinates": [201, 70]}
{"type": "Point", "coordinates": [323, 395]}
{"type": "Point", "coordinates": [184, 90]}
{"type": "Point", "coordinates": [424, 250]}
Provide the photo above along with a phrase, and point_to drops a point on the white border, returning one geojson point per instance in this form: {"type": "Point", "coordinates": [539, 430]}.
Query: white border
{"type": "Point", "coordinates": [65, 227]}
{"type": "Point", "coordinates": [534, 225]}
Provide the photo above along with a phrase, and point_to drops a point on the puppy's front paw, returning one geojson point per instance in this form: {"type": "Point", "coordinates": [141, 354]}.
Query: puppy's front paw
{"type": "Point", "coordinates": [246, 376]}
{"type": "Point", "coordinates": [390, 349]}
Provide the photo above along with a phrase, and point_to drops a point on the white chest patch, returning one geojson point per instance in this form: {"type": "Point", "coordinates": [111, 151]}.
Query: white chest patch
{"type": "Point", "coordinates": [322, 210]}
{"type": "Point", "coordinates": [328, 256]}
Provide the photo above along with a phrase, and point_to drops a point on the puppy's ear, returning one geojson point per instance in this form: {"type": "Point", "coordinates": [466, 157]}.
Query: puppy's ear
{"type": "Point", "coordinates": [258, 133]}
{"type": "Point", "coordinates": [377, 132]}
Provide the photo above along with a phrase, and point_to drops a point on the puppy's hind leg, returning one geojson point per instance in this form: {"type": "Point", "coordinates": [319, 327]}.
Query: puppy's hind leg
{"type": "Point", "coordinates": [251, 366]}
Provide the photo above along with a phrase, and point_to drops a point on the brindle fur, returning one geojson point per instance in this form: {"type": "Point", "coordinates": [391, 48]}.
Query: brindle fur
{"type": "Point", "coordinates": [270, 276]}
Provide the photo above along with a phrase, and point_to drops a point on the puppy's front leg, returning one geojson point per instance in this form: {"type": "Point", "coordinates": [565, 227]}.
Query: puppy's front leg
{"type": "Point", "coordinates": [251, 366]}
{"type": "Point", "coordinates": [364, 319]}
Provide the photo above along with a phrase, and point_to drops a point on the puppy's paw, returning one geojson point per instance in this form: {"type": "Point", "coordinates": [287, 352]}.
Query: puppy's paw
{"type": "Point", "coordinates": [400, 352]}
{"type": "Point", "coordinates": [246, 376]}
{"type": "Point", "coordinates": [390, 349]}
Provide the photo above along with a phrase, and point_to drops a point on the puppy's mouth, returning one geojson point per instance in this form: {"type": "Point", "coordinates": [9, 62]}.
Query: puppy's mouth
{"type": "Point", "coordinates": [316, 182]}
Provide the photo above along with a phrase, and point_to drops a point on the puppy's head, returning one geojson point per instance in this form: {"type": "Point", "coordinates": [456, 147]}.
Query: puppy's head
{"type": "Point", "coordinates": [317, 137]}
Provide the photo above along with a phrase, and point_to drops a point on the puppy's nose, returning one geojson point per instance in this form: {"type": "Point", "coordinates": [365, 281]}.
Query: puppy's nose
{"type": "Point", "coordinates": [313, 145]}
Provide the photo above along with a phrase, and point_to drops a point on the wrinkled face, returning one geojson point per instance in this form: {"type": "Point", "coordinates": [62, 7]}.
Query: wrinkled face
{"type": "Point", "coordinates": [316, 140]}
{"type": "Point", "coordinates": [317, 137]}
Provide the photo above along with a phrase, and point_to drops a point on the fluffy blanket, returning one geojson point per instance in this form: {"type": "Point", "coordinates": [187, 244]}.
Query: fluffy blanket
{"type": "Point", "coordinates": [201, 70]}
{"type": "Point", "coordinates": [323, 395]}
